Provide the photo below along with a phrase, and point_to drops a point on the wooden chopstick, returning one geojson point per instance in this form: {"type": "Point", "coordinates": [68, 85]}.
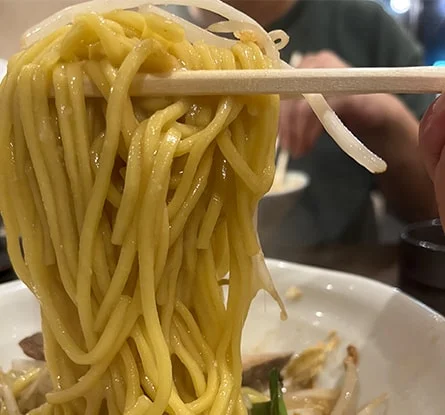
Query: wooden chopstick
{"type": "Point", "coordinates": [288, 82]}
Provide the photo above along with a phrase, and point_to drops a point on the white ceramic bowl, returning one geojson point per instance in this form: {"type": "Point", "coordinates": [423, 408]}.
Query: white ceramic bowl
{"type": "Point", "coordinates": [401, 342]}
{"type": "Point", "coordinates": [275, 206]}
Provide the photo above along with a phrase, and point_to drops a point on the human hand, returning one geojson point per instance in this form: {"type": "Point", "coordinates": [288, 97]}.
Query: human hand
{"type": "Point", "coordinates": [432, 145]}
{"type": "Point", "coordinates": [364, 115]}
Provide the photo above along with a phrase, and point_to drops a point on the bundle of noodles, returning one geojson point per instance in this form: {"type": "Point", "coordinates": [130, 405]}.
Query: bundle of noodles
{"type": "Point", "coordinates": [130, 210]}
{"type": "Point", "coordinates": [123, 215]}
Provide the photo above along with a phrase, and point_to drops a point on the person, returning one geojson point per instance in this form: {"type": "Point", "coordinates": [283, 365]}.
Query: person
{"type": "Point", "coordinates": [336, 206]}
{"type": "Point", "coordinates": [432, 145]}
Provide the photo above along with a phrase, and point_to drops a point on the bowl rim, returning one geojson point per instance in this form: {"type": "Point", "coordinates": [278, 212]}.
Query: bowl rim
{"type": "Point", "coordinates": [406, 237]}
{"type": "Point", "coordinates": [296, 173]}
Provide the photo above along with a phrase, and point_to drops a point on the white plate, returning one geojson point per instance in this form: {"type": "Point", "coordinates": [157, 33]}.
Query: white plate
{"type": "Point", "coordinates": [401, 342]}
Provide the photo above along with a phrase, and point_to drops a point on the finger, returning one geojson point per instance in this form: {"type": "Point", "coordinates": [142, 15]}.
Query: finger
{"type": "Point", "coordinates": [312, 127]}
{"type": "Point", "coordinates": [311, 130]}
{"type": "Point", "coordinates": [322, 59]}
{"type": "Point", "coordinates": [309, 61]}
{"type": "Point", "coordinates": [312, 133]}
{"type": "Point", "coordinates": [439, 186]}
{"type": "Point", "coordinates": [351, 110]}
{"type": "Point", "coordinates": [432, 135]}
{"type": "Point", "coordinates": [299, 120]}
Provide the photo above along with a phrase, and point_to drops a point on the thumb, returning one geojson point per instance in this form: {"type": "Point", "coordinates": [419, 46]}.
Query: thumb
{"type": "Point", "coordinates": [432, 135]}
{"type": "Point", "coordinates": [439, 188]}
{"type": "Point", "coordinates": [432, 147]}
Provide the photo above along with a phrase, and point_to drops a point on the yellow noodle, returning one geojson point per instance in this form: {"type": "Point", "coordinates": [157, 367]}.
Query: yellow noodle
{"type": "Point", "coordinates": [197, 187]}
{"type": "Point", "coordinates": [240, 167]}
{"type": "Point", "coordinates": [131, 377]}
{"type": "Point", "coordinates": [117, 386]}
{"type": "Point", "coordinates": [215, 206]}
{"type": "Point", "coordinates": [170, 277]}
{"type": "Point", "coordinates": [131, 190]}
{"type": "Point", "coordinates": [189, 344]}
{"type": "Point", "coordinates": [123, 214]}
{"type": "Point", "coordinates": [198, 379]}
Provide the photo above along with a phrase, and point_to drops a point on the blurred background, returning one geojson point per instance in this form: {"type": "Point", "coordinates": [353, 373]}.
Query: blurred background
{"type": "Point", "coordinates": [423, 18]}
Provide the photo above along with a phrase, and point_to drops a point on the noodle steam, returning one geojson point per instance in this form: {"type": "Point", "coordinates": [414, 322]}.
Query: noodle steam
{"type": "Point", "coordinates": [123, 215]}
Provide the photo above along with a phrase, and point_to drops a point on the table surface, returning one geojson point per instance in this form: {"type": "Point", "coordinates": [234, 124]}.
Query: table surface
{"type": "Point", "coordinates": [378, 262]}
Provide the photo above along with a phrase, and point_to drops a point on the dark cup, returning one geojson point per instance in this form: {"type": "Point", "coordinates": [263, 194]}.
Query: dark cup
{"type": "Point", "coordinates": [422, 253]}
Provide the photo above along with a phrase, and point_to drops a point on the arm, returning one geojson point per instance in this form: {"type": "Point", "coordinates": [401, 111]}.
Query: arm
{"type": "Point", "coordinates": [406, 185]}
{"type": "Point", "coordinates": [386, 123]}
{"type": "Point", "coordinates": [388, 127]}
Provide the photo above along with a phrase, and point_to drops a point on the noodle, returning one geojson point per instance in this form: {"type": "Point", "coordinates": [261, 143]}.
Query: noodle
{"type": "Point", "coordinates": [129, 211]}
{"type": "Point", "coordinates": [124, 215]}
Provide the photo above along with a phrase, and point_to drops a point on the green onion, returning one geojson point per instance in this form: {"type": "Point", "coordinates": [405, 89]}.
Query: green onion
{"type": "Point", "coordinates": [276, 404]}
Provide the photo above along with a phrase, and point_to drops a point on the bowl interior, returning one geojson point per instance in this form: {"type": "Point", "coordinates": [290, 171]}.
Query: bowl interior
{"type": "Point", "coordinates": [400, 342]}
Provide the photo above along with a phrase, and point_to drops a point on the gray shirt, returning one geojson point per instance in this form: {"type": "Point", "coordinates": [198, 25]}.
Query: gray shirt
{"type": "Point", "coordinates": [336, 207]}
